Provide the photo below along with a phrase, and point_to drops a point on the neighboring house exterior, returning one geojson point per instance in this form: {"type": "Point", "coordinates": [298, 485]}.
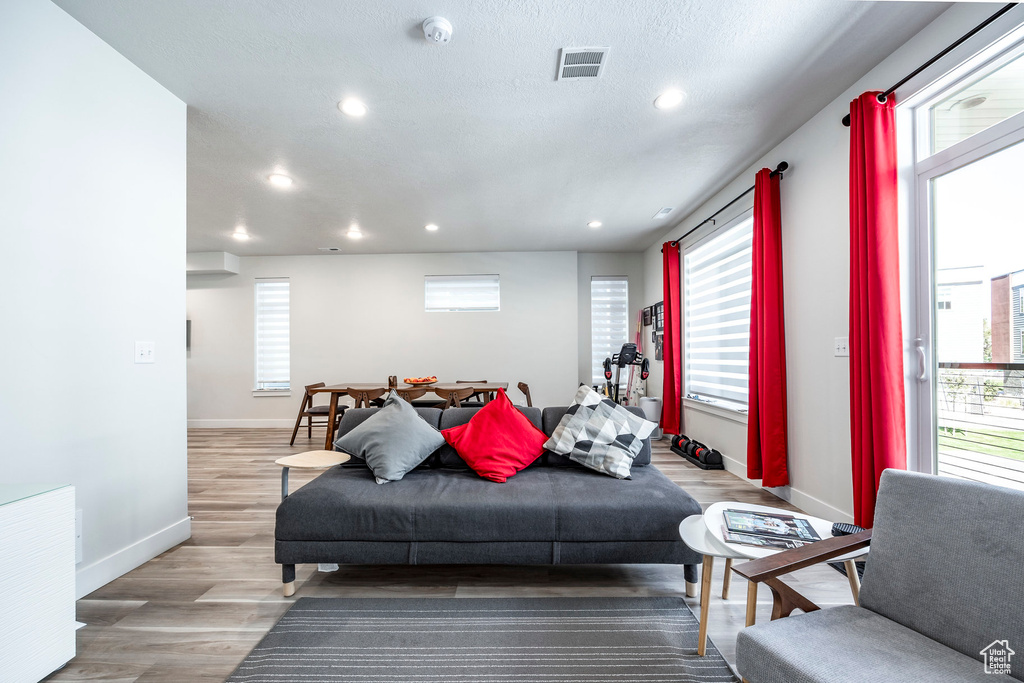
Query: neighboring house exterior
{"type": "Point", "coordinates": [960, 315]}
{"type": "Point", "coordinates": [1008, 318]}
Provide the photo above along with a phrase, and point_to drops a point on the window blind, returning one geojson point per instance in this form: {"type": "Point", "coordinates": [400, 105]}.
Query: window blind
{"type": "Point", "coordinates": [717, 318]}
{"type": "Point", "coordinates": [452, 293]}
{"type": "Point", "coordinates": [609, 323]}
{"type": "Point", "coordinates": [273, 348]}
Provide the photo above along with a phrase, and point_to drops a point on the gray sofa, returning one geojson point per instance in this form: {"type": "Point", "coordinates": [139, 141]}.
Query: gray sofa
{"type": "Point", "coordinates": [552, 512]}
{"type": "Point", "coordinates": [944, 583]}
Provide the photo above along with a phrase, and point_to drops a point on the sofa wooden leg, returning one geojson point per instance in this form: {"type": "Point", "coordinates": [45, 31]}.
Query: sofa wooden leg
{"type": "Point", "coordinates": [692, 585]}
{"type": "Point", "coordinates": [288, 578]}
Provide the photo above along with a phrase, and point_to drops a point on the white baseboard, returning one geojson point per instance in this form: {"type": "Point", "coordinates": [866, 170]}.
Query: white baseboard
{"type": "Point", "coordinates": [268, 423]}
{"type": "Point", "coordinates": [804, 501]}
{"type": "Point", "coordinates": [102, 572]}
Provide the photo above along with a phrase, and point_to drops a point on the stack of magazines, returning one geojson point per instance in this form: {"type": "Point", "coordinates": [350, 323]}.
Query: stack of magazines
{"type": "Point", "coordinates": [767, 530]}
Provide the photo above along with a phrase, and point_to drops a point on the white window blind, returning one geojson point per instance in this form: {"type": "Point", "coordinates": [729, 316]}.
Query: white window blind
{"type": "Point", "coordinates": [273, 347]}
{"type": "Point", "coordinates": [450, 293]}
{"type": "Point", "coordinates": [609, 323]}
{"type": "Point", "coordinates": [717, 319]}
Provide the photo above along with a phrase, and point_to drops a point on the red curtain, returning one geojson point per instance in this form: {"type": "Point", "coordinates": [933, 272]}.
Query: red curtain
{"type": "Point", "coordinates": [672, 410]}
{"type": "Point", "coordinates": [766, 417]}
{"type": "Point", "coordinates": [877, 419]}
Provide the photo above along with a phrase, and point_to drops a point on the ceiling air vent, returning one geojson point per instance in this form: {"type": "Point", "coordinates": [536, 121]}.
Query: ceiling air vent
{"type": "Point", "coordinates": [582, 62]}
{"type": "Point", "coordinates": [331, 249]}
{"type": "Point", "coordinates": [663, 213]}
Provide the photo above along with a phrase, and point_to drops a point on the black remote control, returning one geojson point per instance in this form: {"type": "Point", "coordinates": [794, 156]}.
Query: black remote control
{"type": "Point", "coordinates": [841, 529]}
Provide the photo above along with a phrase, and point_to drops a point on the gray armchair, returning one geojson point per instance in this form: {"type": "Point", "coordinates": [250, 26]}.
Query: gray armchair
{"type": "Point", "coordinates": [942, 595]}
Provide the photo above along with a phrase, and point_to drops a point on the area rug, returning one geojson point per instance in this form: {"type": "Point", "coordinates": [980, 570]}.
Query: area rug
{"type": "Point", "coordinates": [497, 640]}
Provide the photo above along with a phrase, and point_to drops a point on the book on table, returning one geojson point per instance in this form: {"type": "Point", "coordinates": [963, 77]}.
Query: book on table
{"type": "Point", "coordinates": [767, 529]}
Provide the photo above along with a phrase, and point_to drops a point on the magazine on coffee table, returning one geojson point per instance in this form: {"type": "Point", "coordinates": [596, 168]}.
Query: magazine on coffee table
{"type": "Point", "coordinates": [769, 526]}
{"type": "Point", "coordinates": [760, 541]}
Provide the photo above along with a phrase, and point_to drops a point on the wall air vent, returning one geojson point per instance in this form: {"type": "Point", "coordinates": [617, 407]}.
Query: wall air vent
{"type": "Point", "coordinates": [663, 213]}
{"type": "Point", "coordinates": [575, 63]}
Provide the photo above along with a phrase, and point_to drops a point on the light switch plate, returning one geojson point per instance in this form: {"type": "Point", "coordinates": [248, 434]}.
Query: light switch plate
{"type": "Point", "coordinates": [145, 352]}
{"type": "Point", "coordinates": [842, 346]}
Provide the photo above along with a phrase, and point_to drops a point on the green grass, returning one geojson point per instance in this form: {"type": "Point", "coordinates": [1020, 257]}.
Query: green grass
{"type": "Point", "coordinates": [1005, 443]}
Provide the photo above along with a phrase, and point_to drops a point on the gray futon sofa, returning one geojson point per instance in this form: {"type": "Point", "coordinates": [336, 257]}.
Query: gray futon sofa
{"type": "Point", "coordinates": [553, 512]}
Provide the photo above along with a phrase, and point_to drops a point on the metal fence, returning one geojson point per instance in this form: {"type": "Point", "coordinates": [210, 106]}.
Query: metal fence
{"type": "Point", "coordinates": [981, 422]}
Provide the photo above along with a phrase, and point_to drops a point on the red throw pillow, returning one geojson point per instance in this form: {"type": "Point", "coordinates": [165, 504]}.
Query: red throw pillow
{"type": "Point", "coordinates": [499, 440]}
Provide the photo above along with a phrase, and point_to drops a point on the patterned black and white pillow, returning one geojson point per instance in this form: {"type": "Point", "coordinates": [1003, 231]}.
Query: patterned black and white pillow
{"type": "Point", "coordinates": [600, 434]}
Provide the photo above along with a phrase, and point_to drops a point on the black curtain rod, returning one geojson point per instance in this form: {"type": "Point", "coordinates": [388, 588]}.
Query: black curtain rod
{"type": "Point", "coordinates": [964, 38]}
{"type": "Point", "coordinates": [779, 170]}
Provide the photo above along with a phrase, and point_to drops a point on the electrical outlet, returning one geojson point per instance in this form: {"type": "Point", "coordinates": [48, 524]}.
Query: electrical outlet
{"type": "Point", "coordinates": [78, 536]}
{"type": "Point", "coordinates": [842, 346]}
{"type": "Point", "coordinates": [145, 352]}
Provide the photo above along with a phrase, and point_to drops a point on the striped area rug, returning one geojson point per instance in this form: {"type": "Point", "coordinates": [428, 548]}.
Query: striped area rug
{"type": "Point", "coordinates": [495, 640]}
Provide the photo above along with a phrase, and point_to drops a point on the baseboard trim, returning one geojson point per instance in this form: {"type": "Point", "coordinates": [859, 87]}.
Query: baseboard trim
{"type": "Point", "coordinates": [102, 572]}
{"type": "Point", "coordinates": [268, 423]}
{"type": "Point", "coordinates": [806, 502]}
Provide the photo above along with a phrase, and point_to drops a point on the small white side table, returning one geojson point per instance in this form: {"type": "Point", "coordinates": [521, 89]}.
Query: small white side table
{"type": "Point", "coordinates": [695, 534]}
{"type": "Point", "coordinates": [703, 533]}
{"type": "Point", "coordinates": [310, 460]}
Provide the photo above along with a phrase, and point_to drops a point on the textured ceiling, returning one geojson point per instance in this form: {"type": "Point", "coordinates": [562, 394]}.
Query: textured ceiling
{"type": "Point", "coordinates": [478, 136]}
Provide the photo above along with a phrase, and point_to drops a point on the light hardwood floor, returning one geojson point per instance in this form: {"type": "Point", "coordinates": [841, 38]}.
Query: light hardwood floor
{"type": "Point", "coordinates": [194, 612]}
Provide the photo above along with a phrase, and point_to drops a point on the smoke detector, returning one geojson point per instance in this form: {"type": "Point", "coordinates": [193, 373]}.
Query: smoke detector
{"type": "Point", "coordinates": [437, 30]}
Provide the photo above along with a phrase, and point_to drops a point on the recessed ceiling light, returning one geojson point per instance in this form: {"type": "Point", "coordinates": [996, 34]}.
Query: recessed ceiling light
{"type": "Point", "coordinates": [430, 227]}
{"type": "Point", "coordinates": [970, 102]}
{"type": "Point", "coordinates": [352, 106]}
{"type": "Point", "coordinates": [669, 99]}
{"type": "Point", "coordinates": [594, 224]}
{"type": "Point", "coordinates": [280, 180]}
{"type": "Point", "coordinates": [240, 234]}
{"type": "Point", "coordinates": [354, 233]}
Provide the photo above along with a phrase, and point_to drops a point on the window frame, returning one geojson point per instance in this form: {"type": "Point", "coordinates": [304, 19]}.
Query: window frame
{"type": "Point", "coordinates": [460, 309]}
{"type": "Point", "coordinates": [596, 375]}
{"type": "Point", "coordinates": [724, 407]}
{"type": "Point", "coordinates": [916, 168]}
{"type": "Point", "coordinates": [258, 389]}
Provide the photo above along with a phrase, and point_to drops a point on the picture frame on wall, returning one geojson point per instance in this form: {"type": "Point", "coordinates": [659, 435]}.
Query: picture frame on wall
{"type": "Point", "coordinates": [648, 315]}
{"type": "Point", "coordinates": [659, 347]}
{"type": "Point", "coordinates": [659, 316]}
{"type": "Point", "coordinates": [654, 336]}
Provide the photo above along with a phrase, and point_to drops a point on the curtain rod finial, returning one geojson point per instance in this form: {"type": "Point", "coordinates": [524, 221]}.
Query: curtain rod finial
{"type": "Point", "coordinates": [783, 166]}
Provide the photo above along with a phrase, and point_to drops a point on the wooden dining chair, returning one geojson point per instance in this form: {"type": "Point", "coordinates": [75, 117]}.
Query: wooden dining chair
{"type": "Point", "coordinates": [453, 398]}
{"type": "Point", "coordinates": [311, 412]}
{"type": "Point", "coordinates": [477, 396]}
{"type": "Point", "coordinates": [411, 394]}
{"type": "Point", "coordinates": [525, 388]}
{"type": "Point", "coordinates": [363, 397]}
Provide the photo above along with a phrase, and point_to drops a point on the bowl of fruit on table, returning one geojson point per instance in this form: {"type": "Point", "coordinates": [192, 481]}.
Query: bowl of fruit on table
{"type": "Point", "coordinates": [420, 381]}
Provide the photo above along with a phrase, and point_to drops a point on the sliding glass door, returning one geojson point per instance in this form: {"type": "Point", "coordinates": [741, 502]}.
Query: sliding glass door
{"type": "Point", "coordinates": [967, 317]}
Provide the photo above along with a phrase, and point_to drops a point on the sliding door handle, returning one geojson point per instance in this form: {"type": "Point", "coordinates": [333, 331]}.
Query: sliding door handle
{"type": "Point", "coordinates": [922, 360]}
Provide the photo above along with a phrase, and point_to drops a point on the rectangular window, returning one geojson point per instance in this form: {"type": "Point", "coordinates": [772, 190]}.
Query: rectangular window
{"type": "Point", "coordinates": [609, 323]}
{"type": "Point", "coordinates": [273, 345]}
{"type": "Point", "coordinates": [454, 293]}
{"type": "Point", "coordinates": [717, 319]}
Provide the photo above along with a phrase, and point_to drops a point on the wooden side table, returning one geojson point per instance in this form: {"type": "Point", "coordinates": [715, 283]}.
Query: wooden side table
{"type": "Point", "coordinates": [695, 534]}
{"type": "Point", "coordinates": [310, 460]}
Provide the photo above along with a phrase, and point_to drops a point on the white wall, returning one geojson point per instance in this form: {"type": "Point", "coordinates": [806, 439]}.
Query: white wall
{"type": "Point", "coordinates": [361, 318]}
{"type": "Point", "coordinates": [92, 241]}
{"type": "Point", "coordinates": [590, 264]}
{"type": "Point", "coordinates": [815, 228]}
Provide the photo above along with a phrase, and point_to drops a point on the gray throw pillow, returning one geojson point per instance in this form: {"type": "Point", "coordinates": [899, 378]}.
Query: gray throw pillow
{"type": "Point", "coordinates": [392, 441]}
{"type": "Point", "coordinates": [598, 433]}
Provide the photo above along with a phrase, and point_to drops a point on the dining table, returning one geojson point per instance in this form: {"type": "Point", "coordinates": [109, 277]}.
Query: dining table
{"type": "Point", "coordinates": [341, 389]}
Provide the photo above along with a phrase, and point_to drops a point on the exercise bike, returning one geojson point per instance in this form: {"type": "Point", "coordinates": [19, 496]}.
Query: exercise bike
{"type": "Point", "coordinates": [627, 355]}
